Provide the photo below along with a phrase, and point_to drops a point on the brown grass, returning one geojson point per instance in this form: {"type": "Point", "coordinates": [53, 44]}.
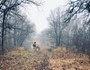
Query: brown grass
{"type": "Point", "coordinates": [58, 59]}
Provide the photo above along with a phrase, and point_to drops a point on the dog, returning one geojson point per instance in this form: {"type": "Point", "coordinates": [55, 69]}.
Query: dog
{"type": "Point", "coordinates": [36, 46]}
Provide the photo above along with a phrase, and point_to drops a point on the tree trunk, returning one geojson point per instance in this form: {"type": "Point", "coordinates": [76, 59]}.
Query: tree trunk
{"type": "Point", "coordinates": [3, 30]}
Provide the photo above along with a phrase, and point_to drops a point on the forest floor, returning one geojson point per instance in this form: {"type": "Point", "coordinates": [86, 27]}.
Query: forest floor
{"type": "Point", "coordinates": [57, 59]}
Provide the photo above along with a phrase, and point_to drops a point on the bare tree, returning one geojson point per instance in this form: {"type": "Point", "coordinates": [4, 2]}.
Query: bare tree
{"type": "Point", "coordinates": [57, 25]}
{"type": "Point", "coordinates": [7, 6]}
{"type": "Point", "coordinates": [77, 7]}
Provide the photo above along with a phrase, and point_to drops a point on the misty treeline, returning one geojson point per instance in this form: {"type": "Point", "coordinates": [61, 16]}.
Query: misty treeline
{"type": "Point", "coordinates": [14, 28]}
{"type": "Point", "coordinates": [70, 27]}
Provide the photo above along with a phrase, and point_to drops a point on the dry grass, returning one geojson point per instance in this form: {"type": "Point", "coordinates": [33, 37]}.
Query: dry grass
{"type": "Point", "coordinates": [58, 59]}
{"type": "Point", "coordinates": [64, 59]}
{"type": "Point", "coordinates": [21, 59]}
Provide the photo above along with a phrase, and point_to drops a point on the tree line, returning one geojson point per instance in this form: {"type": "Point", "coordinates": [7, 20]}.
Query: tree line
{"type": "Point", "coordinates": [70, 27]}
{"type": "Point", "coordinates": [14, 27]}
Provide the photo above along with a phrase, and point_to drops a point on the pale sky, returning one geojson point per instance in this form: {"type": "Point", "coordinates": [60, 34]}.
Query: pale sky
{"type": "Point", "coordinates": [39, 15]}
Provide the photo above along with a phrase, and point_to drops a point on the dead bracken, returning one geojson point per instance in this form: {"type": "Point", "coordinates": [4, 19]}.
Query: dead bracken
{"type": "Point", "coordinates": [58, 59]}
